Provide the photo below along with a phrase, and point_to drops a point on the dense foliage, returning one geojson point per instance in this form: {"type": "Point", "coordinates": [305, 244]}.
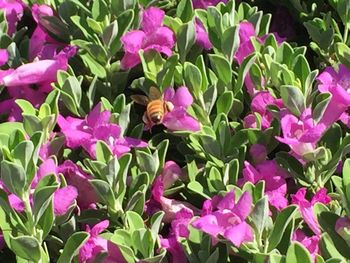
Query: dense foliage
{"type": "Point", "coordinates": [241, 157]}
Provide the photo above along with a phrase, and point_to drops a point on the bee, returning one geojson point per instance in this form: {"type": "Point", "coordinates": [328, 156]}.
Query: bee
{"type": "Point", "coordinates": [156, 107]}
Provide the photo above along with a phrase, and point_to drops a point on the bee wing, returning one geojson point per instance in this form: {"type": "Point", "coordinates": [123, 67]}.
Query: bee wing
{"type": "Point", "coordinates": [140, 99]}
{"type": "Point", "coordinates": [154, 93]}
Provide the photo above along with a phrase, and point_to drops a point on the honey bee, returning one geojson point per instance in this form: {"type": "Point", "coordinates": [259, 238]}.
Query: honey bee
{"type": "Point", "coordinates": [156, 107]}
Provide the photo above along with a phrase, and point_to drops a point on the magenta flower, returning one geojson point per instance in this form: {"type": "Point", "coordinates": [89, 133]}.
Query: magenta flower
{"type": "Point", "coordinates": [38, 72]}
{"type": "Point", "coordinates": [4, 56]}
{"type": "Point", "coordinates": [152, 36]}
{"type": "Point", "coordinates": [170, 207]}
{"type": "Point", "coordinates": [9, 106]}
{"type": "Point", "coordinates": [203, 4]}
{"type": "Point", "coordinates": [179, 228]}
{"type": "Point", "coordinates": [96, 245]}
{"type": "Point", "coordinates": [76, 177]}
{"type": "Point", "coordinates": [310, 243]}
{"type": "Point", "coordinates": [228, 220]}
{"type": "Point", "coordinates": [301, 135]}
{"type": "Point", "coordinates": [14, 11]}
{"type": "Point", "coordinates": [41, 45]}
{"type": "Point", "coordinates": [170, 174]}
{"type": "Point", "coordinates": [202, 37]}
{"type": "Point", "coordinates": [178, 118]}
{"type": "Point", "coordinates": [342, 227]}
{"type": "Point", "coordinates": [96, 126]}
{"type": "Point", "coordinates": [259, 105]}
{"type": "Point", "coordinates": [274, 177]}
{"type": "Point", "coordinates": [306, 207]}
{"type": "Point", "coordinates": [338, 85]}
{"type": "Point", "coordinates": [258, 153]}
{"type": "Point", "coordinates": [63, 197]}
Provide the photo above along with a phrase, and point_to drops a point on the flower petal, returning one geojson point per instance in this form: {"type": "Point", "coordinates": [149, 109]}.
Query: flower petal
{"type": "Point", "coordinates": [63, 199]}
{"type": "Point", "coordinates": [152, 18]}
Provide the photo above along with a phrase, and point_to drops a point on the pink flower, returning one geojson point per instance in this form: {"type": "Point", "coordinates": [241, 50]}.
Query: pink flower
{"type": "Point", "coordinates": [37, 72]}
{"type": "Point", "coordinates": [76, 177]}
{"type": "Point", "coordinates": [310, 243]}
{"type": "Point", "coordinates": [153, 36]}
{"type": "Point", "coordinates": [301, 135]}
{"type": "Point", "coordinates": [259, 105]}
{"type": "Point", "coordinates": [342, 227]}
{"type": "Point", "coordinates": [41, 45]}
{"type": "Point", "coordinates": [96, 126]}
{"type": "Point", "coordinates": [170, 174]}
{"type": "Point", "coordinates": [203, 4]}
{"type": "Point", "coordinates": [274, 177]}
{"type": "Point", "coordinates": [178, 118]}
{"type": "Point", "coordinates": [63, 197]}
{"type": "Point", "coordinates": [258, 153]}
{"type": "Point", "coordinates": [9, 106]}
{"type": "Point", "coordinates": [338, 85]}
{"type": "Point", "coordinates": [306, 207]}
{"type": "Point", "coordinates": [14, 11]}
{"type": "Point", "coordinates": [202, 38]}
{"type": "Point", "coordinates": [4, 56]}
{"type": "Point", "coordinates": [246, 32]}
{"type": "Point", "coordinates": [179, 228]}
{"type": "Point", "coordinates": [96, 245]}
{"type": "Point", "coordinates": [170, 207]}
{"type": "Point", "coordinates": [228, 220]}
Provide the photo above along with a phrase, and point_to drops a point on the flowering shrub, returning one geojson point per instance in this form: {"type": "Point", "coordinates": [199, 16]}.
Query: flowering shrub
{"type": "Point", "coordinates": [174, 131]}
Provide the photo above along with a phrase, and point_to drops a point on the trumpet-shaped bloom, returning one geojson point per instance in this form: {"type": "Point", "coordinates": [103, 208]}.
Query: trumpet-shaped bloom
{"type": "Point", "coordinates": [96, 245]}
{"type": "Point", "coordinates": [258, 153]}
{"type": "Point", "coordinates": [228, 220]}
{"type": "Point", "coordinates": [342, 227]}
{"type": "Point", "coordinates": [14, 11]}
{"type": "Point", "coordinates": [152, 36]}
{"type": "Point", "coordinates": [96, 126]}
{"type": "Point", "coordinates": [259, 105]}
{"type": "Point", "coordinates": [170, 207]}
{"type": "Point", "coordinates": [179, 228]}
{"type": "Point", "coordinates": [4, 56]}
{"type": "Point", "coordinates": [306, 207]}
{"type": "Point", "coordinates": [38, 72]}
{"type": "Point", "coordinates": [310, 243]}
{"type": "Point", "coordinates": [170, 174]}
{"type": "Point", "coordinates": [178, 118]}
{"type": "Point", "coordinates": [301, 135]}
{"type": "Point", "coordinates": [76, 177]}
{"type": "Point", "coordinates": [63, 197]}
{"type": "Point", "coordinates": [274, 177]}
{"type": "Point", "coordinates": [203, 4]}
{"type": "Point", "coordinates": [41, 45]}
{"type": "Point", "coordinates": [202, 37]}
{"type": "Point", "coordinates": [338, 85]}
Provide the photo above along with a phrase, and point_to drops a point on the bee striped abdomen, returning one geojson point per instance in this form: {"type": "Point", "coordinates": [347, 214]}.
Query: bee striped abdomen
{"type": "Point", "coordinates": [155, 111]}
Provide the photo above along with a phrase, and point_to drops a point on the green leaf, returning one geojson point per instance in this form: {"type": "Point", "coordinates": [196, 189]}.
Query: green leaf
{"type": "Point", "coordinates": [293, 98]}
{"type": "Point", "coordinates": [346, 172]}
{"type": "Point", "coordinates": [72, 246]}
{"type": "Point", "coordinates": [14, 177]}
{"type": "Point", "coordinates": [103, 153]}
{"type": "Point", "coordinates": [26, 247]}
{"type": "Point", "coordinates": [221, 67]}
{"type": "Point", "coordinates": [105, 193]}
{"type": "Point", "coordinates": [110, 34]}
{"type": "Point", "coordinates": [260, 214]}
{"type": "Point", "coordinates": [343, 53]}
{"type": "Point", "coordinates": [224, 102]}
{"type": "Point", "coordinates": [23, 153]}
{"type": "Point", "coordinates": [193, 78]}
{"type": "Point", "coordinates": [42, 199]}
{"type": "Point", "coordinates": [26, 106]}
{"type": "Point", "coordinates": [298, 253]}
{"type": "Point", "coordinates": [184, 10]}
{"type": "Point", "coordinates": [281, 223]}
{"type": "Point", "coordinates": [230, 42]}
{"type": "Point", "coordinates": [186, 37]}
{"type": "Point", "coordinates": [134, 220]}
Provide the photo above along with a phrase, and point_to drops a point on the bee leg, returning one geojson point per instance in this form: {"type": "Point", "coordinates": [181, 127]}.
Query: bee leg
{"type": "Point", "coordinates": [147, 121]}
